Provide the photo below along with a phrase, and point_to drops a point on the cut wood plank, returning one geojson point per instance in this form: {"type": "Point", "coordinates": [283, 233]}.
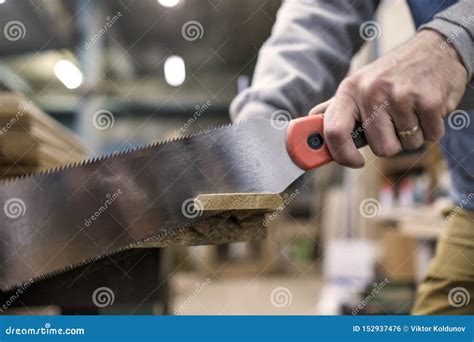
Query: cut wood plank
{"type": "Point", "coordinates": [216, 230]}
{"type": "Point", "coordinates": [245, 201]}
{"type": "Point", "coordinates": [239, 218]}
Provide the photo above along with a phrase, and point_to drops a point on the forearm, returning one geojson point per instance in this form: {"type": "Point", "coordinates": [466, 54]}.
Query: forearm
{"type": "Point", "coordinates": [457, 24]}
{"type": "Point", "coordinates": [307, 55]}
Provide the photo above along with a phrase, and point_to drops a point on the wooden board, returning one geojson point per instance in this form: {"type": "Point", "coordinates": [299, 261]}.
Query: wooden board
{"type": "Point", "coordinates": [239, 217]}
{"type": "Point", "coordinates": [216, 230]}
{"type": "Point", "coordinates": [242, 201]}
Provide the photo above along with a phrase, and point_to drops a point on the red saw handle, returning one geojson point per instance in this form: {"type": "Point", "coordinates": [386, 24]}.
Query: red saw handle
{"type": "Point", "coordinates": [305, 141]}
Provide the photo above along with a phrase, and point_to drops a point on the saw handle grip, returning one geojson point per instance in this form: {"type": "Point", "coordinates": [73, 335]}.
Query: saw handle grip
{"type": "Point", "coordinates": [305, 141]}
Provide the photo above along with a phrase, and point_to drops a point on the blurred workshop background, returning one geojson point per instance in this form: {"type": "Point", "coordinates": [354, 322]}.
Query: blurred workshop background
{"type": "Point", "coordinates": [130, 72]}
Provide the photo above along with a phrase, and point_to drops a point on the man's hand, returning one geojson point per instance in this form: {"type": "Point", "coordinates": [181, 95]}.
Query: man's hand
{"type": "Point", "coordinates": [415, 85]}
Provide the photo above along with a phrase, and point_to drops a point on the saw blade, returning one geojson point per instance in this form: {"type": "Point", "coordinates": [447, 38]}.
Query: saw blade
{"type": "Point", "coordinates": [63, 218]}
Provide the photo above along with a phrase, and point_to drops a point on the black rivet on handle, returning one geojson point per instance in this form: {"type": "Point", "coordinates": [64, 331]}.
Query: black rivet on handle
{"type": "Point", "coordinates": [315, 141]}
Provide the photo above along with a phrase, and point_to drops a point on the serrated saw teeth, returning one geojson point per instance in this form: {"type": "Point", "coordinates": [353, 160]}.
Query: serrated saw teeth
{"type": "Point", "coordinates": [71, 205]}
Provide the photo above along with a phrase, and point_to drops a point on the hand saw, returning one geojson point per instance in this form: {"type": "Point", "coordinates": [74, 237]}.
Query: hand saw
{"type": "Point", "coordinates": [63, 218]}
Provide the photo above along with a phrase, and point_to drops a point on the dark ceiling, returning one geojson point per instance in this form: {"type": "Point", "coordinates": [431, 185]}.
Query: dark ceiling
{"type": "Point", "coordinates": [232, 30]}
{"type": "Point", "coordinates": [135, 47]}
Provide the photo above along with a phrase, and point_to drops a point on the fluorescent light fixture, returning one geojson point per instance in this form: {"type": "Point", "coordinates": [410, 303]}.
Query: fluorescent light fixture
{"type": "Point", "coordinates": [175, 71]}
{"type": "Point", "coordinates": [68, 73]}
{"type": "Point", "coordinates": [168, 3]}
{"type": "Point", "coordinates": [3, 1]}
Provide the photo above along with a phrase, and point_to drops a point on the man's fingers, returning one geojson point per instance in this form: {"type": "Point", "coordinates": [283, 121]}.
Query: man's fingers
{"type": "Point", "coordinates": [430, 115]}
{"type": "Point", "coordinates": [320, 108]}
{"type": "Point", "coordinates": [407, 125]}
{"type": "Point", "coordinates": [339, 121]}
{"type": "Point", "coordinates": [380, 133]}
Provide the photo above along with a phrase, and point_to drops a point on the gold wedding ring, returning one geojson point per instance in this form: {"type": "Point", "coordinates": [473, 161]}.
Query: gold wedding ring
{"type": "Point", "coordinates": [409, 132]}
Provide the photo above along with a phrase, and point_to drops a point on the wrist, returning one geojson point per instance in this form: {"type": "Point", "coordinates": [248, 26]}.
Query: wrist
{"type": "Point", "coordinates": [439, 43]}
{"type": "Point", "coordinates": [442, 47]}
{"type": "Point", "coordinates": [454, 36]}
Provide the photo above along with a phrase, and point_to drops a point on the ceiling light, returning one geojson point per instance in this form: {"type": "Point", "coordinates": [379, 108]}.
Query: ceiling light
{"type": "Point", "coordinates": [175, 71]}
{"type": "Point", "coordinates": [68, 73]}
{"type": "Point", "coordinates": [168, 3]}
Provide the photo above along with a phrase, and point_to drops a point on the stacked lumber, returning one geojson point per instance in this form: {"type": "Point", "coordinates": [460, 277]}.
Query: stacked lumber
{"type": "Point", "coordinates": [32, 141]}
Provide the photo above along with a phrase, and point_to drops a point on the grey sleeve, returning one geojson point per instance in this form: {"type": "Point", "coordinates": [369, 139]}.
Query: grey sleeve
{"type": "Point", "coordinates": [457, 24]}
{"type": "Point", "coordinates": [307, 55]}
